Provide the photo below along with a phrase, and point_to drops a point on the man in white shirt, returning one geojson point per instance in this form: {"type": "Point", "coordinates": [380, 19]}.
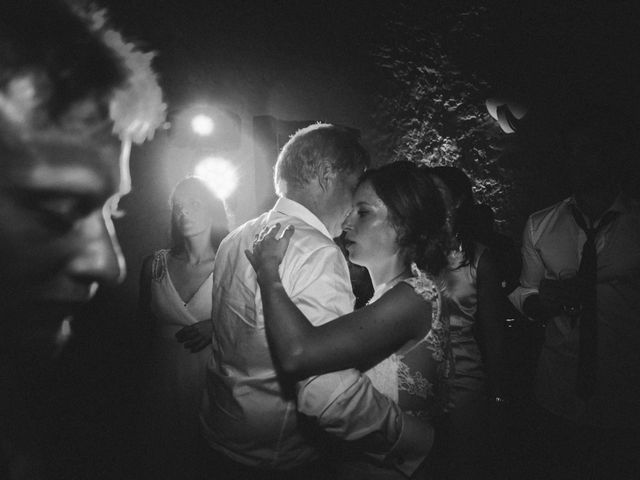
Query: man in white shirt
{"type": "Point", "coordinates": [251, 415]}
{"type": "Point", "coordinates": [590, 395]}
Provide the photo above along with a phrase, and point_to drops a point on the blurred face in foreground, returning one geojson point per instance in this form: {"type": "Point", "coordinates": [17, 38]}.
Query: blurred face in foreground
{"type": "Point", "coordinates": [59, 187]}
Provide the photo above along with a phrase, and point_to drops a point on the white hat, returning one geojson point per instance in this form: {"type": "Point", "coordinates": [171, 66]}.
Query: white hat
{"type": "Point", "coordinates": [507, 112]}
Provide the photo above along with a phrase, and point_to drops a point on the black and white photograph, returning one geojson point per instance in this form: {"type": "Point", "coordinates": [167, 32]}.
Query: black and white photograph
{"type": "Point", "coordinates": [318, 240]}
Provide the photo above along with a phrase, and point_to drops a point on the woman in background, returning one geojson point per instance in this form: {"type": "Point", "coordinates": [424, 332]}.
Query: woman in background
{"type": "Point", "coordinates": [473, 297]}
{"type": "Point", "coordinates": [175, 302]}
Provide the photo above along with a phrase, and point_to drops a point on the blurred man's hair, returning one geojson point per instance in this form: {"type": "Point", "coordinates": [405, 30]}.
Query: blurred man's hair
{"type": "Point", "coordinates": [313, 149]}
{"type": "Point", "coordinates": [67, 61]}
{"type": "Point", "coordinates": [57, 58]}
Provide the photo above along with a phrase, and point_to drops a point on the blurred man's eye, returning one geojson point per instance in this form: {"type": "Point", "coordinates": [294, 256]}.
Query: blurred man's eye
{"type": "Point", "coordinates": [65, 210]}
{"type": "Point", "coordinates": [59, 212]}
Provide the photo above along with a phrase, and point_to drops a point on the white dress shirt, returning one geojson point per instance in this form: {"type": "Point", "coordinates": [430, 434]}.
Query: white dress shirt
{"type": "Point", "coordinates": [247, 413]}
{"type": "Point", "coordinates": [552, 248]}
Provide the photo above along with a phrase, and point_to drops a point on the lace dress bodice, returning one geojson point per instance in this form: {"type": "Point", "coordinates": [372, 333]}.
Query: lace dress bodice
{"type": "Point", "coordinates": [413, 376]}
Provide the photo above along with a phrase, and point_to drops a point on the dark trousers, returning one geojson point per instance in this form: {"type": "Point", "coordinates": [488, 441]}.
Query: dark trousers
{"type": "Point", "coordinates": [567, 451]}
{"type": "Point", "coordinates": [217, 466]}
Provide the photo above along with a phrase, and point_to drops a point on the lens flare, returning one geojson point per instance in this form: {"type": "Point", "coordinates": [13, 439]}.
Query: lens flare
{"type": "Point", "coordinates": [219, 174]}
{"type": "Point", "coordinates": [202, 125]}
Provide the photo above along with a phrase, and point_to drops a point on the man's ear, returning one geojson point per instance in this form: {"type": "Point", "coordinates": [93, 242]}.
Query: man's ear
{"type": "Point", "coordinates": [326, 176]}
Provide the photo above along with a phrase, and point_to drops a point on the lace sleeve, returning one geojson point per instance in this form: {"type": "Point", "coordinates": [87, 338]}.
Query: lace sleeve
{"type": "Point", "coordinates": [426, 288]}
{"type": "Point", "coordinates": [438, 337]}
{"type": "Point", "coordinates": [437, 340]}
{"type": "Point", "coordinates": [159, 265]}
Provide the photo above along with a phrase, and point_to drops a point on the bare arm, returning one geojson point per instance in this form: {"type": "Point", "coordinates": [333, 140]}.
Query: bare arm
{"type": "Point", "coordinates": [362, 337]}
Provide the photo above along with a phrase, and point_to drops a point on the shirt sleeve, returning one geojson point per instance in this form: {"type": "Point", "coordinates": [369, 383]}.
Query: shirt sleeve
{"type": "Point", "coordinates": [532, 269]}
{"type": "Point", "coordinates": [345, 403]}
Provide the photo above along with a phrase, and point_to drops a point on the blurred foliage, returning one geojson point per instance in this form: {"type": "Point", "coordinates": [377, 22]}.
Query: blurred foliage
{"type": "Point", "coordinates": [431, 108]}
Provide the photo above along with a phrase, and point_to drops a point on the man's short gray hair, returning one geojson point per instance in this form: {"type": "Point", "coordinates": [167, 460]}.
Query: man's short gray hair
{"type": "Point", "coordinates": [313, 149]}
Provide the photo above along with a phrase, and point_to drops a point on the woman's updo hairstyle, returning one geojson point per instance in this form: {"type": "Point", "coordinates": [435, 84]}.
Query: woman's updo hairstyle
{"type": "Point", "coordinates": [416, 211]}
{"type": "Point", "coordinates": [461, 190]}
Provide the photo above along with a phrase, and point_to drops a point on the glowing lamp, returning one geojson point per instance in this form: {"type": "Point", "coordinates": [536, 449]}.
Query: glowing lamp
{"type": "Point", "coordinates": [219, 174]}
{"type": "Point", "coordinates": [202, 125]}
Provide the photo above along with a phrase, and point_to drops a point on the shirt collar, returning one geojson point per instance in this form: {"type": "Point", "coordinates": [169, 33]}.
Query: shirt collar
{"type": "Point", "coordinates": [294, 209]}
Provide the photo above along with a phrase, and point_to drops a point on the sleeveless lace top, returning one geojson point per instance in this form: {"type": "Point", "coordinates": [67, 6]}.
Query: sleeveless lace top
{"type": "Point", "coordinates": [414, 376]}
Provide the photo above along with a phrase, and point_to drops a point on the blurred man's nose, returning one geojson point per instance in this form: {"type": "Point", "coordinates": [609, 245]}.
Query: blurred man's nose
{"type": "Point", "coordinates": [98, 257]}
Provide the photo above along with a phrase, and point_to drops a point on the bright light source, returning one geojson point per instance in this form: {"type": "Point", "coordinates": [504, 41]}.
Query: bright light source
{"type": "Point", "coordinates": [219, 174]}
{"type": "Point", "coordinates": [202, 124]}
